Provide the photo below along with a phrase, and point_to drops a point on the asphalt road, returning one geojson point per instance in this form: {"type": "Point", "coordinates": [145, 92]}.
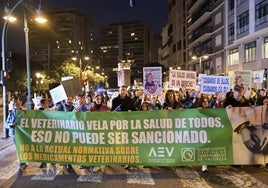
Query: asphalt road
{"type": "Point", "coordinates": [117, 176]}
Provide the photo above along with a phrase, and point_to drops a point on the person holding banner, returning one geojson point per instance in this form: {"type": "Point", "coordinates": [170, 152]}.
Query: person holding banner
{"type": "Point", "coordinates": [11, 125]}
{"type": "Point", "coordinates": [66, 106]}
{"type": "Point", "coordinates": [204, 104]}
{"type": "Point", "coordinates": [123, 102]}
{"type": "Point", "coordinates": [99, 106]}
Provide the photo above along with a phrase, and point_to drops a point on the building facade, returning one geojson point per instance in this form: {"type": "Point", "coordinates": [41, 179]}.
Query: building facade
{"type": "Point", "coordinates": [129, 42]}
{"type": "Point", "coordinates": [68, 33]}
{"type": "Point", "coordinates": [247, 35]}
{"type": "Point", "coordinates": [205, 36]}
{"type": "Point", "coordinates": [173, 51]}
{"type": "Point", "coordinates": [220, 36]}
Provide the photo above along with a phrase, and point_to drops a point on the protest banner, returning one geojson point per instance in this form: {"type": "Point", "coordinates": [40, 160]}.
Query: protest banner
{"type": "Point", "coordinates": [241, 77]}
{"type": "Point", "coordinates": [182, 79]}
{"type": "Point", "coordinates": [72, 87]}
{"type": "Point", "coordinates": [152, 80]}
{"type": "Point", "coordinates": [58, 94]}
{"type": "Point", "coordinates": [157, 138]}
{"type": "Point", "coordinates": [212, 84]}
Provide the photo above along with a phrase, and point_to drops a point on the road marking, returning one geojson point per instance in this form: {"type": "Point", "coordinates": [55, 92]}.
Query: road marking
{"type": "Point", "coordinates": [240, 178]}
{"type": "Point", "coordinates": [48, 174]}
{"type": "Point", "coordinates": [93, 177]}
{"type": "Point", "coordinates": [140, 177]}
{"type": "Point", "coordinates": [191, 177]}
{"type": "Point", "coordinates": [8, 171]}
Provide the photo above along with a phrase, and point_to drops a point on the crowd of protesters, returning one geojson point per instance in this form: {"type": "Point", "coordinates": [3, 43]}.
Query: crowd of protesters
{"type": "Point", "coordinates": [132, 100]}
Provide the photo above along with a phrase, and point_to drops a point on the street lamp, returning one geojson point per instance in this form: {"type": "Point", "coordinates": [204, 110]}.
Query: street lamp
{"type": "Point", "coordinates": [80, 63]}
{"type": "Point", "coordinates": [200, 62]}
{"type": "Point", "coordinates": [27, 51]}
{"type": "Point", "coordinates": [4, 33]}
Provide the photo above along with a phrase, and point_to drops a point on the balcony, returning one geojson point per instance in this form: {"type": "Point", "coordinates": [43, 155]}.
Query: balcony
{"type": "Point", "coordinates": [201, 34]}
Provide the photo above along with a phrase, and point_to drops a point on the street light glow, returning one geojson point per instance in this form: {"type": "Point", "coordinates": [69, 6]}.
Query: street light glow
{"type": "Point", "coordinates": [40, 20]}
{"type": "Point", "coordinates": [194, 57]}
{"type": "Point", "coordinates": [10, 18]}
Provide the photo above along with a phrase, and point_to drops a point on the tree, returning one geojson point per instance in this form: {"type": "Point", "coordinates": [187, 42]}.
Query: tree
{"type": "Point", "coordinates": [67, 68]}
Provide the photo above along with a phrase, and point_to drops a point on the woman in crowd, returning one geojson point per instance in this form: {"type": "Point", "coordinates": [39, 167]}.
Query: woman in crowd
{"type": "Point", "coordinates": [170, 101]}
{"type": "Point", "coordinates": [98, 106]}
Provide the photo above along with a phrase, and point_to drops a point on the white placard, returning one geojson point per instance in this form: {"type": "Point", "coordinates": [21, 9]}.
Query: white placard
{"type": "Point", "coordinates": [182, 79]}
{"type": "Point", "coordinates": [213, 84]}
{"type": "Point", "coordinates": [58, 94]}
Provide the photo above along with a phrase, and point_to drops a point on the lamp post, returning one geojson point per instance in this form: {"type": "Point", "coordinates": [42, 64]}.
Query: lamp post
{"type": "Point", "coordinates": [4, 32]}
{"type": "Point", "coordinates": [200, 62]}
{"type": "Point", "coordinates": [26, 31]}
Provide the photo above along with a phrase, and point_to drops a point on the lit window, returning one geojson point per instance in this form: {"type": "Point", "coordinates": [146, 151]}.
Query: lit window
{"type": "Point", "coordinates": [250, 51]}
{"type": "Point", "coordinates": [266, 47]}
{"type": "Point", "coordinates": [233, 57]}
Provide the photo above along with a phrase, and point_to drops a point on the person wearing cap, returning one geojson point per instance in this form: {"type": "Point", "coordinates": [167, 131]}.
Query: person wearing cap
{"type": "Point", "coordinates": [236, 98]}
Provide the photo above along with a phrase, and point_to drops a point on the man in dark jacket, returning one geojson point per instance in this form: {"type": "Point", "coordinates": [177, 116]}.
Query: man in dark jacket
{"type": "Point", "coordinates": [123, 102]}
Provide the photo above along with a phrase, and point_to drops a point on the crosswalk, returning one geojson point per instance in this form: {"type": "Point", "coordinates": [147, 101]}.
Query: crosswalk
{"type": "Point", "coordinates": [187, 176]}
{"type": "Point", "coordinates": [225, 176]}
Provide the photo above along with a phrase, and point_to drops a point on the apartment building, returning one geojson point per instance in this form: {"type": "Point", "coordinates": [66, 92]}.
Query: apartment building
{"type": "Point", "coordinates": [247, 35]}
{"type": "Point", "coordinates": [205, 36]}
{"type": "Point", "coordinates": [67, 33]}
{"type": "Point", "coordinates": [173, 51]}
{"type": "Point", "coordinates": [128, 42]}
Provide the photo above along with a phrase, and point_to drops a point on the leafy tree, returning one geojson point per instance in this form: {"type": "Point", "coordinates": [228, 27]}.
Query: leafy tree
{"type": "Point", "coordinates": [67, 68]}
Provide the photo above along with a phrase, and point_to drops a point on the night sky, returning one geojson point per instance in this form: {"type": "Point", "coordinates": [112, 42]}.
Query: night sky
{"type": "Point", "coordinates": [102, 13]}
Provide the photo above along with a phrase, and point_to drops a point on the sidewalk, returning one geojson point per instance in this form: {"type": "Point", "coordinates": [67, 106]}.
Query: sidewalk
{"type": "Point", "coordinates": [4, 142]}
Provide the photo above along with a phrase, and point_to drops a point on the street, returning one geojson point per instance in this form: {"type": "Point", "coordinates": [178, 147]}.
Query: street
{"type": "Point", "coordinates": [118, 176]}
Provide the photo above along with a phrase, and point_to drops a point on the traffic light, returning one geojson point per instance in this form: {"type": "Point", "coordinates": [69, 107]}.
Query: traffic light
{"type": "Point", "coordinates": [3, 77]}
{"type": "Point", "coordinates": [8, 64]}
